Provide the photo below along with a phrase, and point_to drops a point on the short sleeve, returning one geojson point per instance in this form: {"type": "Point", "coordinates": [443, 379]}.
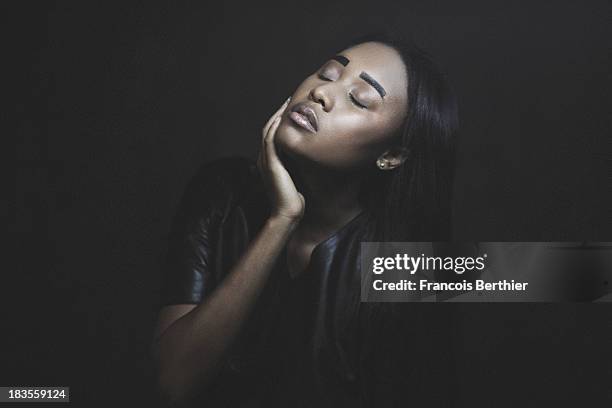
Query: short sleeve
{"type": "Point", "coordinates": [187, 274]}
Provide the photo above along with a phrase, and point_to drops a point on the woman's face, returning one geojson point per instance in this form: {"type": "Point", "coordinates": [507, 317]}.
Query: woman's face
{"type": "Point", "coordinates": [344, 115]}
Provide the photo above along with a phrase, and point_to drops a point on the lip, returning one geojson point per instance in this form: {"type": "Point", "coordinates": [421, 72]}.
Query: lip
{"type": "Point", "coordinates": [305, 116]}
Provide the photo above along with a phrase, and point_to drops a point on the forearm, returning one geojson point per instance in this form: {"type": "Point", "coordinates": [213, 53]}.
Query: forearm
{"type": "Point", "coordinates": [190, 350]}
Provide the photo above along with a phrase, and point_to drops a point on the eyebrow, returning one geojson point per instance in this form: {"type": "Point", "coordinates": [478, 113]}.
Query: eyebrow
{"type": "Point", "coordinates": [341, 59]}
{"type": "Point", "coordinates": [345, 61]}
{"type": "Point", "coordinates": [374, 83]}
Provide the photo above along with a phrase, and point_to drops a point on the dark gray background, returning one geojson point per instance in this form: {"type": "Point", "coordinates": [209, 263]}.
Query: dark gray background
{"type": "Point", "coordinates": [117, 105]}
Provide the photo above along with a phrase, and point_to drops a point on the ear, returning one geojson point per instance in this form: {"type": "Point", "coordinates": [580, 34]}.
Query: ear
{"type": "Point", "coordinates": [392, 158]}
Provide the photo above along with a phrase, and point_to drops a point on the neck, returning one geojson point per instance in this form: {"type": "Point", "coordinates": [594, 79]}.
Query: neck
{"type": "Point", "coordinates": [332, 199]}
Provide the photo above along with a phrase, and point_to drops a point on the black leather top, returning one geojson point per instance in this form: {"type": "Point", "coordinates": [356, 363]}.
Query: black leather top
{"type": "Point", "coordinates": [308, 341]}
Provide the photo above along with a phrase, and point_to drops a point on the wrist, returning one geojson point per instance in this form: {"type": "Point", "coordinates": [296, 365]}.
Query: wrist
{"type": "Point", "coordinates": [284, 220]}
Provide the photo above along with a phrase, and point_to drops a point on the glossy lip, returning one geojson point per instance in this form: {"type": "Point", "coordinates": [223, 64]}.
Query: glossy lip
{"type": "Point", "coordinates": [301, 121]}
{"type": "Point", "coordinates": [308, 113]}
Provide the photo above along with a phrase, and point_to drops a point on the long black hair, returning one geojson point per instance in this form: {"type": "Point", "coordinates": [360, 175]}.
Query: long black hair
{"type": "Point", "coordinates": [413, 201]}
{"type": "Point", "coordinates": [409, 203]}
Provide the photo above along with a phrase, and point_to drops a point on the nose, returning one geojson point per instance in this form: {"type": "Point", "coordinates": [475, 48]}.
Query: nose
{"type": "Point", "coordinates": [321, 95]}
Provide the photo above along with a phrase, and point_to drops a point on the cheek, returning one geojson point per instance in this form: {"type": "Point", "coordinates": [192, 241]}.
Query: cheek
{"type": "Point", "coordinates": [353, 140]}
{"type": "Point", "coordinates": [357, 132]}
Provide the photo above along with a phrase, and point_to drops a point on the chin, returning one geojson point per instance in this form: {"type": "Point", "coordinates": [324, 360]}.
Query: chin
{"type": "Point", "coordinates": [303, 148]}
{"type": "Point", "coordinates": [289, 140]}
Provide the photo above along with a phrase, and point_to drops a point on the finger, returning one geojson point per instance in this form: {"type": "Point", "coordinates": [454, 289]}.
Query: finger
{"type": "Point", "coordinates": [261, 159]}
{"type": "Point", "coordinates": [270, 146]}
{"type": "Point", "coordinates": [274, 116]}
{"type": "Point", "coordinates": [271, 132]}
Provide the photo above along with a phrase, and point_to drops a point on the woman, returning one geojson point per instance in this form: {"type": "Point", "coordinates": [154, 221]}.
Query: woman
{"type": "Point", "coordinates": [261, 298]}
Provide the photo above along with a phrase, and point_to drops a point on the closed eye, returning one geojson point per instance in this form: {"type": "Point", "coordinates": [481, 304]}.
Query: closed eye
{"type": "Point", "coordinates": [356, 102]}
{"type": "Point", "coordinates": [351, 97]}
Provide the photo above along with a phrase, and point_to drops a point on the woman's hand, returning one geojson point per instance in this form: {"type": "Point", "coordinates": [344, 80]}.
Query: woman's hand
{"type": "Point", "coordinates": [286, 201]}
